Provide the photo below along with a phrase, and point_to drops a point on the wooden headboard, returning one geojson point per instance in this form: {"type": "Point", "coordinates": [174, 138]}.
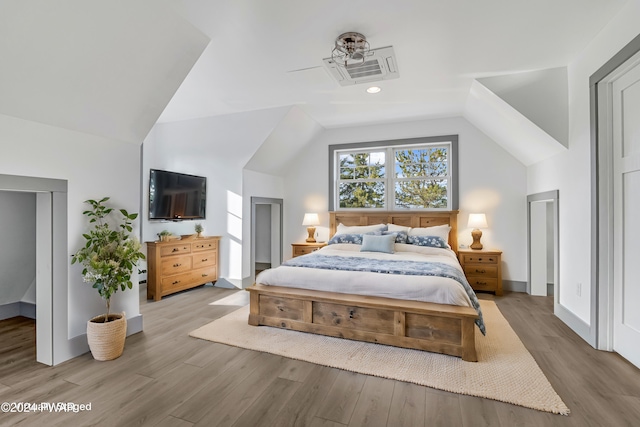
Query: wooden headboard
{"type": "Point", "coordinates": [407, 219]}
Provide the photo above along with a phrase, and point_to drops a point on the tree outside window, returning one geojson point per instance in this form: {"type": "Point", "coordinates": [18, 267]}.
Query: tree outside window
{"type": "Point", "coordinates": [420, 177]}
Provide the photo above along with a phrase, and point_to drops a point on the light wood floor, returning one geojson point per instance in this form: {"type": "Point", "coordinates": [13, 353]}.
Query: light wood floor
{"type": "Point", "coordinates": [167, 378]}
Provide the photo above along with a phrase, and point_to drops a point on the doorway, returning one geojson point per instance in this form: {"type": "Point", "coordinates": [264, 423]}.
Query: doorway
{"type": "Point", "coordinates": [51, 262]}
{"type": "Point", "coordinates": [266, 234]}
{"type": "Point", "coordinates": [543, 242]}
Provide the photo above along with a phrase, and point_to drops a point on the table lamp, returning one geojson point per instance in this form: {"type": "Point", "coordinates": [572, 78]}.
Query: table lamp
{"type": "Point", "coordinates": [311, 219]}
{"type": "Point", "coordinates": [477, 221]}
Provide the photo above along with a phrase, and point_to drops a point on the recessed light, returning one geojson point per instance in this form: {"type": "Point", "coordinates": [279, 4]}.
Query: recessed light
{"type": "Point", "coordinates": [373, 89]}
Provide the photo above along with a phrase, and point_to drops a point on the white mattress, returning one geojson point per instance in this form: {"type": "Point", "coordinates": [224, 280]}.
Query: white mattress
{"type": "Point", "coordinates": [418, 288]}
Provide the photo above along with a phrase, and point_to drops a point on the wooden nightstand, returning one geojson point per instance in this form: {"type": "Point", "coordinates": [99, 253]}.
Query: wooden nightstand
{"type": "Point", "coordinates": [483, 269]}
{"type": "Point", "coordinates": [298, 249]}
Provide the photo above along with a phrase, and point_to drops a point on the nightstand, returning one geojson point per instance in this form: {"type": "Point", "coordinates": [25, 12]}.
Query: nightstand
{"type": "Point", "coordinates": [483, 269]}
{"type": "Point", "coordinates": [298, 249]}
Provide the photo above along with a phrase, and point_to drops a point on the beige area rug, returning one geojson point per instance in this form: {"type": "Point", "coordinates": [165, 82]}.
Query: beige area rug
{"type": "Point", "coordinates": [505, 370]}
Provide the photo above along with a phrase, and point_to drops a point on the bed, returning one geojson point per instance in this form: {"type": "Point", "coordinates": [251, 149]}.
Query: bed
{"type": "Point", "coordinates": [286, 300]}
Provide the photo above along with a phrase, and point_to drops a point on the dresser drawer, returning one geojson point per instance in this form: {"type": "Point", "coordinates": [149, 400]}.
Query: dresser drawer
{"type": "Point", "coordinates": [483, 283]}
{"type": "Point", "coordinates": [175, 249]}
{"type": "Point", "coordinates": [481, 269]}
{"type": "Point", "coordinates": [175, 264]}
{"type": "Point", "coordinates": [303, 250]}
{"type": "Point", "coordinates": [204, 259]}
{"type": "Point", "coordinates": [203, 246]}
{"type": "Point", "coordinates": [189, 279]}
{"type": "Point", "coordinates": [480, 259]}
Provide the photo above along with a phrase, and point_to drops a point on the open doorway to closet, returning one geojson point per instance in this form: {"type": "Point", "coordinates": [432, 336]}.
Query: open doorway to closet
{"type": "Point", "coordinates": [542, 220]}
{"type": "Point", "coordinates": [266, 234]}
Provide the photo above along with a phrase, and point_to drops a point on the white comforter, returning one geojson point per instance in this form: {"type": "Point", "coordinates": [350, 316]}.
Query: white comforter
{"type": "Point", "coordinates": [419, 288]}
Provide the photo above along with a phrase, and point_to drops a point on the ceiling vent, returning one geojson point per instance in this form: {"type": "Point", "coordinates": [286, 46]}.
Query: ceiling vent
{"type": "Point", "coordinates": [379, 64]}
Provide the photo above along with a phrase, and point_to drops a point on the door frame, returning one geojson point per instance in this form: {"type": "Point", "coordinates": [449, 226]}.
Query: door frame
{"type": "Point", "coordinates": [51, 263]}
{"type": "Point", "coordinates": [553, 198]}
{"type": "Point", "coordinates": [263, 201]}
{"type": "Point", "coordinates": [601, 328]}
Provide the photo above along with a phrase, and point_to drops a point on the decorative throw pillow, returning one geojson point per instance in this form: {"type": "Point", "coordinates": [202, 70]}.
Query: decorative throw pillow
{"type": "Point", "coordinates": [373, 243]}
{"type": "Point", "coordinates": [401, 236]}
{"type": "Point", "coordinates": [431, 241]}
{"type": "Point", "coordinates": [353, 238]}
{"type": "Point", "coordinates": [441, 231]}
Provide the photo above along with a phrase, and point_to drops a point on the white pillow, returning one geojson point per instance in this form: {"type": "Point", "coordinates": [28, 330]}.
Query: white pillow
{"type": "Point", "coordinates": [441, 231]}
{"type": "Point", "coordinates": [359, 229]}
{"type": "Point", "coordinates": [394, 227]}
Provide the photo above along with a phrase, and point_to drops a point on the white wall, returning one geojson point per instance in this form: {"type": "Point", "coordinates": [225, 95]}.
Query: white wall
{"type": "Point", "coordinates": [490, 181]}
{"type": "Point", "coordinates": [93, 167]}
{"type": "Point", "coordinates": [18, 245]}
{"type": "Point", "coordinates": [217, 148]}
{"type": "Point", "coordinates": [570, 172]}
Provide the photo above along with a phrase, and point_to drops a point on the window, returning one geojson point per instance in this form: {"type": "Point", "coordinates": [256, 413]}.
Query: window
{"type": "Point", "coordinates": [406, 174]}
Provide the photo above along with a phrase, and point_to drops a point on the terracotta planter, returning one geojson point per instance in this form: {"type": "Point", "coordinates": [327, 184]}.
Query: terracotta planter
{"type": "Point", "coordinates": [106, 340]}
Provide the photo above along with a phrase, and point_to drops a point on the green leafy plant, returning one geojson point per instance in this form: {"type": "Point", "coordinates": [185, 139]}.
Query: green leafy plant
{"type": "Point", "coordinates": [109, 254]}
{"type": "Point", "coordinates": [164, 233]}
{"type": "Point", "coordinates": [198, 228]}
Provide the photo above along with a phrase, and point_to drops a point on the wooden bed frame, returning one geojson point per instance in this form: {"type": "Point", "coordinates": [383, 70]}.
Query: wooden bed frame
{"type": "Point", "coordinates": [439, 328]}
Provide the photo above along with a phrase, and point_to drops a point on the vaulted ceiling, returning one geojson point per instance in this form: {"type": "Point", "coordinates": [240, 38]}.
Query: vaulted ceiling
{"type": "Point", "coordinates": [114, 67]}
{"type": "Point", "coordinates": [269, 53]}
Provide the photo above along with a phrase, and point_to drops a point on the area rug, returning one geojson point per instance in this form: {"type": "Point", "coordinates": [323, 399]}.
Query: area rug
{"type": "Point", "coordinates": [505, 370]}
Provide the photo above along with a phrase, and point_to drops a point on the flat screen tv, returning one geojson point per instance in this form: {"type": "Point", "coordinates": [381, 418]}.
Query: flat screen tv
{"type": "Point", "coordinates": [177, 196]}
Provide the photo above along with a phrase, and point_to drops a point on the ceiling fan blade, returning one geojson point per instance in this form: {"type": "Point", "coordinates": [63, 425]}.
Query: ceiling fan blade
{"type": "Point", "coordinates": [304, 69]}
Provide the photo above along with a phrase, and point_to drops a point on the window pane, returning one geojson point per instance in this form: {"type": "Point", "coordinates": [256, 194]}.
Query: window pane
{"type": "Point", "coordinates": [421, 194]}
{"type": "Point", "coordinates": [361, 195]}
{"type": "Point", "coordinates": [421, 162]}
{"type": "Point", "coordinates": [347, 160]}
{"type": "Point", "coordinates": [346, 173]}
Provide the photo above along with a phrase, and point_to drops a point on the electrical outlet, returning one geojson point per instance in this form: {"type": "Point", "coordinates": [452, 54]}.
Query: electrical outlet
{"type": "Point", "coordinates": [579, 289]}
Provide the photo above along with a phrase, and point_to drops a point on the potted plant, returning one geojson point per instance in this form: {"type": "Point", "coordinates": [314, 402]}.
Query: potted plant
{"type": "Point", "coordinates": [198, 228]}
{"type": "Point", "coordinates": [164, 235]}
{"type": "Point", "coordinates": [108, 257]}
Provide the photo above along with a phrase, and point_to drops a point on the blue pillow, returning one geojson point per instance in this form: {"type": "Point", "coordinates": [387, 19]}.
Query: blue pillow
{"type": "Point", "coordinates": [355, 239]}
{"type": "Point", "coordinates": [373, 243]}
{"type": "Point", "coordinates": [432, 241]}
{"type": "Point", "coordinates": [401, 236]}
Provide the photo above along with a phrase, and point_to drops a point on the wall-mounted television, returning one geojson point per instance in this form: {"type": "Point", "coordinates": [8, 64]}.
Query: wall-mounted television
{"type": "Point", "coordinates": [177, 196]}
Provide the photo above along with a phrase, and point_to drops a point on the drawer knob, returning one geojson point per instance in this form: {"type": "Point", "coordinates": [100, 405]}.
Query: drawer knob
{"type": "Point", "coordinates": [479, 259]}
{"type": "Point", "coordinates": [176, 282]}
{"type": "Point", "coordinates": [205, 260]}
{"type": "Point", "coordinates": [480, 271]}
{"type": "Point", "coordinates": [204, 274]}
{"type": "Point", "coordinates": [177, 265]}
{"type": "Point", "coordinates": [175, 250]}
{"type": "Point", "coordinates": [491, 259]}
{"type": "Point", "coordinates": [480, 283]}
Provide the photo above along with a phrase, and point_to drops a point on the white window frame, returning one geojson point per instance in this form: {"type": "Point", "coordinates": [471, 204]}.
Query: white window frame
{"type": "Point", "coordinates": [390, 147]}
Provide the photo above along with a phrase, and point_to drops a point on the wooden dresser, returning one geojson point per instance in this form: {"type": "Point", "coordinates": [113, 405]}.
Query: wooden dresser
{"type": "Point", "coordinates": [483, 269]}
{"type": "Point", "coordinates": [298, 249]}
{"type": "Point", "coordinates": [181, 264]}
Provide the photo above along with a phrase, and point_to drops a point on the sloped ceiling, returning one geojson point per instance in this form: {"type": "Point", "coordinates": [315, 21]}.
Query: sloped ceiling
{"type": "Point", "coordinates": [107, 68]}
{"type": "Point", "coordinates": [290, 136]}
{"type": "Point", "coordinates": [542, 96]}
{"type": "Point", "coordinates": [266, 54]}
{"type": "Point", "coordinates": [509, 128]}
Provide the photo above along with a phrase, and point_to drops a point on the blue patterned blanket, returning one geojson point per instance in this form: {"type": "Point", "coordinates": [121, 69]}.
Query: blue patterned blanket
{"type": "Point", "coordinates": [412, 268]}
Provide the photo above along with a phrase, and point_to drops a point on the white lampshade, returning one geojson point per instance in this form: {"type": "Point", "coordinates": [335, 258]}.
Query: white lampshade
{"type": "Point", "coordinates": [311, 219]}
{"type": "Point", "coordinates": [477, 220]}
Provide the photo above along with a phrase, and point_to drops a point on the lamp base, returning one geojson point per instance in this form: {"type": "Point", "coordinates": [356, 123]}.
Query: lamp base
{"type": "Point", "coordinates": [476, 234]}
{"type": "Point", "coordinates": [312, 233]}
